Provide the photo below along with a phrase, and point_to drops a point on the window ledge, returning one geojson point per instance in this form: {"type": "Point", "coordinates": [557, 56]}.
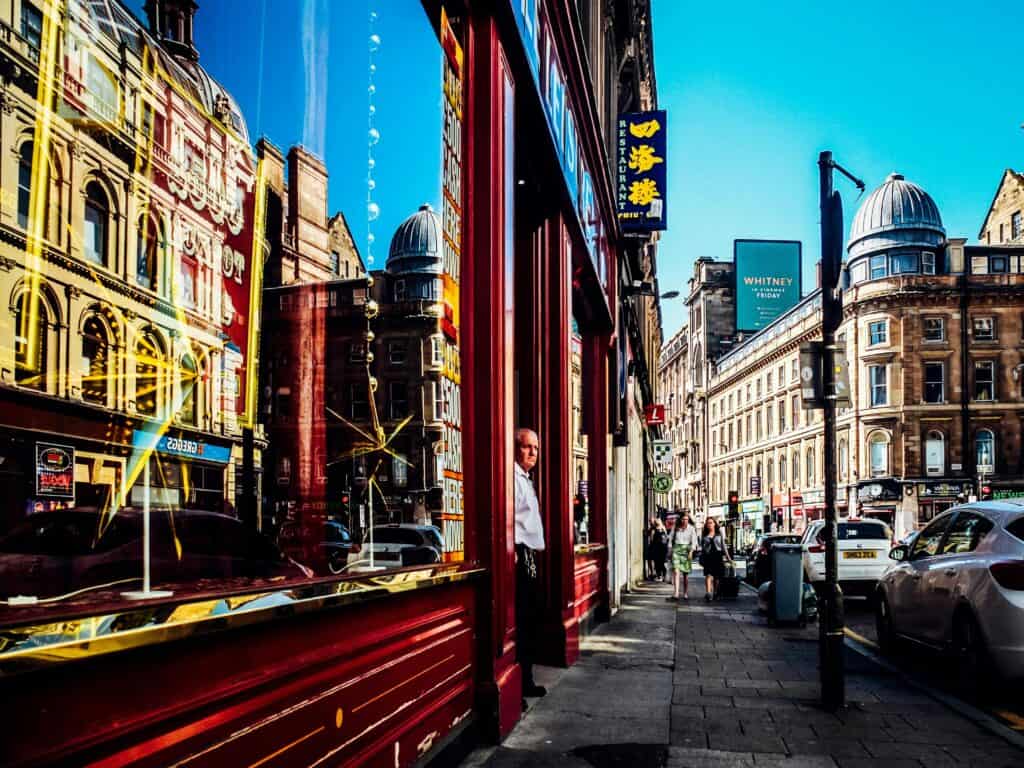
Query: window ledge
{"type": "Point", "coordinates": [42, 636]}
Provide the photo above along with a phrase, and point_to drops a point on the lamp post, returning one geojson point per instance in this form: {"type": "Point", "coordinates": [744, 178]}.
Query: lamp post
{"type": "Point", "coordinates": [831, 630]}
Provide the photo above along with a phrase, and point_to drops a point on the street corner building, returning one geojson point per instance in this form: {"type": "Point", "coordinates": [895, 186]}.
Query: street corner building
{"type": "Point", "coordinates": [257, 478]}
{"type": "Point", "coordinates": [931, 329]}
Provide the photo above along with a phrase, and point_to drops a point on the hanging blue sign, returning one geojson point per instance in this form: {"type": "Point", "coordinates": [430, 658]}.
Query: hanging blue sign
{"type": "Point", "coordinates": [641, 171]}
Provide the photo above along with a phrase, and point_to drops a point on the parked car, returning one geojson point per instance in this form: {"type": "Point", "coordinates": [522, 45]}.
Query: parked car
{"type": "Point", "coordinates": [324, 545]}
{"type": "Point", "coordinates": [759, 562]}
{"type": "Point", "coordinates": [863, 547]}
{"type": "Point", "coordinates": [960, 587]}
{"type": "Point", "coordinates": [53, 553]}
{"type": "Point", "coordinates": [403, 544]}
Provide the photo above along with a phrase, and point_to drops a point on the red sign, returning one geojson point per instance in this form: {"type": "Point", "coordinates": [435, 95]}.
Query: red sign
{"type": "Point", "coordinates": [655, 414]}
{"type": "Point", "coordinates": [55, 470]}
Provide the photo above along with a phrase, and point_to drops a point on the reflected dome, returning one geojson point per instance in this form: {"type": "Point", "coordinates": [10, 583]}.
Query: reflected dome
{"type": "Point", "coordinates": [416, 246]}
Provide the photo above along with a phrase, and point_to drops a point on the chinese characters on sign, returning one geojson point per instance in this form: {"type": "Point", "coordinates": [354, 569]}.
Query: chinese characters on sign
{"type": "Point", "coordinates": [641, 174]}
{"type": "Point", "coordinates": [452, 517]}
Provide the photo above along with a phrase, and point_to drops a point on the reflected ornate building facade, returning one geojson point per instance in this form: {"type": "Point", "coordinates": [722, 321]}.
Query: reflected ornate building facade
{"type": "Point", "coordinates": [127, 231]}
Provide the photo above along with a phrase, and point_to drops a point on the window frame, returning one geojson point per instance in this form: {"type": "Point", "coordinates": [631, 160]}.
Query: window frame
{"type": "Point", "coordinates": [879, 263]}
{"type": "Point", "coordinates": [977, 447]}
{"type": "Point", "coordinates": [98, 251]}
{"type": "Point", "coordinates": [935, 436]}
{"type": "Point", "coordinates": [991, 381]}
{"type": "Point", "coordinates": [941, 383]}
{"type": "Point", "coordinates": [942, 329]}
{"type": "Point", "coordinates": [874, 387]}
{"type": "Point", "coordinates": [884, 442]}
{"type": "Point", "coordinates": [876, 339]}
{"type": "Point", "coordinates": [979, 320]}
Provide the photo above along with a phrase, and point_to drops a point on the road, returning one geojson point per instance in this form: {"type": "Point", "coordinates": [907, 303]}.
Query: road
{"type": "Point", "coordinates": [930, 668]}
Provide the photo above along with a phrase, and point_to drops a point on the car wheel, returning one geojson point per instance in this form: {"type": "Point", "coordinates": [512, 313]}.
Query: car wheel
{"type": "Point", "coordinates": [883, 625]}
{"type": "Point", "coordinates": [970, 655]}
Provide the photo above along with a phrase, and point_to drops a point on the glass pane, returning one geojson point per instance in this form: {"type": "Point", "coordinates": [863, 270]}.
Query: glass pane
{"type": "Point", "coordinates": [309, 425]}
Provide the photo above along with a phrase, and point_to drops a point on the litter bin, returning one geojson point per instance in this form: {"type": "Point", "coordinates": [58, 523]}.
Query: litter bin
{"type": "Point", "coordinates": [787, 583]}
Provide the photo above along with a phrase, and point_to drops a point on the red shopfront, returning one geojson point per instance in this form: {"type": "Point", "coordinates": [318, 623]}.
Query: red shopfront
{"type": "Point", "coordinates": [386, 669]}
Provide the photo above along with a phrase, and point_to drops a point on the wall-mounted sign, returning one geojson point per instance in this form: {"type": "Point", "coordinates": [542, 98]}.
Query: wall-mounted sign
{"type": "Point", "coordinates": [943, 489]}
{"type": "Point", "coordinates": [171, 445]}
{"type": "Point", "coordinates": [756, 506]}
{"type": "Point", "coordinates": [55, 471]}
{"type": "Point", "coordinates": [662, 450]}
{"type": "Point", "coordinates": [755, 485]}
{"type": "Point", "coordinates": [768, 280]}
{"type": "Point", "coordinates": [661, 483]}
{"type": "Point", "coordinates": [655, 414]}
{"type": "Point", "coordinates": [641, 174]}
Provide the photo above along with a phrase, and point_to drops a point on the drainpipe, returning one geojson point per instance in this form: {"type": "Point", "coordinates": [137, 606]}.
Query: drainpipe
{"type": "Point", "coordinates": [965, 382]}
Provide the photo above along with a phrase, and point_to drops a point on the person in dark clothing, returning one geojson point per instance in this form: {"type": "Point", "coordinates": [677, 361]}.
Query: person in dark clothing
{"type": "Point", "coordinates": [713, 555]}
{"type": "Point", "coordinates": [659, 549]}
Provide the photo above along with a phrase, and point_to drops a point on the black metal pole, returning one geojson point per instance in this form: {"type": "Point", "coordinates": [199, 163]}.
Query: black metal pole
{"type": "Point", "coordinates": [833, 693]}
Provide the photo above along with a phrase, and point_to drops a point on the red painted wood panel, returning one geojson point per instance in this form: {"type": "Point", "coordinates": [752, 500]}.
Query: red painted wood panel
{"type": "Point", "coordinates": [349, 686]}
{"type": "Point", "coordinates": [589, 584]}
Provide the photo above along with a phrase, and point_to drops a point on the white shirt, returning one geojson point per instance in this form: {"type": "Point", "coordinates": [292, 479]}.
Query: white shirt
{"type": "Point", "coordinates": [529, 527]}
{"type": "Point", "coordinates": [687, 538]}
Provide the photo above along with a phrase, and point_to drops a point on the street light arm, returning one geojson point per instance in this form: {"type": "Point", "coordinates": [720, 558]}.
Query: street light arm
{"type": "Point", "coordinates": [847, 174]}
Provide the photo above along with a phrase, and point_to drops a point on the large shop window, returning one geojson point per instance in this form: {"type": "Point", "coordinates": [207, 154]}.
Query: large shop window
{"type": "Point", "coordinates": [277, 432]}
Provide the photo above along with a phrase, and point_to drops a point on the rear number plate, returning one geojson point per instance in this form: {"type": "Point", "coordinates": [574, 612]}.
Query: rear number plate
{"type": "Point", "coordinates": [859, 554]}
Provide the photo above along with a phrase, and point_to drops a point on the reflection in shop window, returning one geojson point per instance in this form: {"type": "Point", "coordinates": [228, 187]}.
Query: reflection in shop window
{"type": "Point", "coordinates": [187, 282]}
{"type": "Point", "coordinates": [94, 233]}
{"type": "Point", "coordinates": [151, 251]}
{"type": "Point", "coordinates": [149, 361]}
{"type": "Point", "coordinates": [30, 359]}
{"type": "Point", "coordinates": [95, 361]}
{"type": "Point", "coordinates": [24, 183]}
{"type": "Point", "coordinates": [188, 379]}
{"type": "Point", "coordinates": [398, 397]}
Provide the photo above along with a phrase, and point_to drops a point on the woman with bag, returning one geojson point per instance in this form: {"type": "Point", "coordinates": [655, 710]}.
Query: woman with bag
{"type": "Point", "coordinates": [682, 545]}
{"type": "Point", "coordinates": [659, 548]}
{"type": "Point", "coordinates": [713, 555]}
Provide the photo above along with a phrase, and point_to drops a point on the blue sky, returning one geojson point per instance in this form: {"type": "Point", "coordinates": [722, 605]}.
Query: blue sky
{"type": "Point", "coordinates": [319, 100]}
{"type": "Point", "coordinates": [754, 91]}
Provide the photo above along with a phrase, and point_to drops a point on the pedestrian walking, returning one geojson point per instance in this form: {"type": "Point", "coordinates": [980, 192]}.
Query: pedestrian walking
{"type": "Point", "coordinates": [529, 539]}
{"type": "Point", "coordinates": [649, 567]}
{"type": "Point", "coordinates": [683, 544]}
{"type": "Point", "coordinates": [713, 555]}
{"type": "Point", "coordinates": [659, 549]}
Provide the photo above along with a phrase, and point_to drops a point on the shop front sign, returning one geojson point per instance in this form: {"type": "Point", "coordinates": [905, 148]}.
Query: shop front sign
{"type": "Point", "coordinates": [814, 497]}
{"type": "Point", "coordinates": [754, 506]}
{"type": "Point", "coordinates": [641, 171]}
{"type": "Point", "coordinates": [879, 490]}
{"type": "Point", "coordinates": [549, 79]}
{"type": "Point", "coordinates": [55, 471]}
{"type": "Point", "coordinates": [655, 414]}
{"type": "Point", "coordinates": [999, 494]}
{"type": "Point", "coordinates": [170, 445]}
{"type": "Point", "coordinates": [943, 490]}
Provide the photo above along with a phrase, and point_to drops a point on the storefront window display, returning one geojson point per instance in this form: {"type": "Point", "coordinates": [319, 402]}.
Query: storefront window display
{"type": "Point", "coordinates": [266, 242]}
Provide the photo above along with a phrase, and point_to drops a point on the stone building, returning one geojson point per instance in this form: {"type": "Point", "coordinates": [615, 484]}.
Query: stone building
{"type": "Point", "coordinates": [128, 230]}
{"type": "Point", "coordinates": [673, 385]}
{"type": "Point", "coordinates": [1004, 222]}
{"type": "Point", "coordinates": [932, 328]}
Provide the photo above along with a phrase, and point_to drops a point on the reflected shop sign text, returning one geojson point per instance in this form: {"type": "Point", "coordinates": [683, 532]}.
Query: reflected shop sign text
{"type": "Point", "coordinates": [549, 77]}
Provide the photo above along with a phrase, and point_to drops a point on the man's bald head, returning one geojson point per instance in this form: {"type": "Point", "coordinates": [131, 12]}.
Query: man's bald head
{"type": "Point", "coordinates": [527, 448]}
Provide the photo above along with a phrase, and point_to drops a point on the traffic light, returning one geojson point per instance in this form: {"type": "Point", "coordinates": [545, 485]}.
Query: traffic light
{"type": "Point", "coordinates": [734, 505]}
{"type": "Point", "coordinates": [986, 493]}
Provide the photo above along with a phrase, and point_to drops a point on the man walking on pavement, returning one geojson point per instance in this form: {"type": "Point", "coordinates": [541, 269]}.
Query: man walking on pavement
{"type": "Point", "coordinates": [529, 538]}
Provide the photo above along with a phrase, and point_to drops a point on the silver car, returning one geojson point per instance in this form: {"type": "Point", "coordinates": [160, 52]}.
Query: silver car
{"type": "Point", "coordinates": [959, 586]}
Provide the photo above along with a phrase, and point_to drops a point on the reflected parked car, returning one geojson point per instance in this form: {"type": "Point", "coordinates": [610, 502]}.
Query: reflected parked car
{"type": "Point", "coordinates": [863, 548]}
{"type": "Point", "coordinates": [324, 545]}
{"type": "Point", "coordinates": [403, 544]}
{"type": "Point", "coordinates": [759, 562]}
{"type": "Point", "coordinates": [54, 553]}
{"type": "Point", "coordinates": [960, 587]}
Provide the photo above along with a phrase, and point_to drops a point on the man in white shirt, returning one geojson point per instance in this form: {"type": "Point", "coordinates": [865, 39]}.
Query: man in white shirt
{"type": "Point", "coordinates": [529, 539]}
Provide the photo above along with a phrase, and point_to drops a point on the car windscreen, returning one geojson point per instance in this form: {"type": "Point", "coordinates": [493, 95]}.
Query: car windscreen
{"type": "Point", "coordinates": [1016, 528]}
{"type": "Point", "coordinates": [864, 530]}
{"type": "Point", "coordinates": [405, 536]}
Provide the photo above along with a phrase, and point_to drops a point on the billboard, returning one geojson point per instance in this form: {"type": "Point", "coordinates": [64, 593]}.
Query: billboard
{"type": "Point", "coordinates": [767, 280]}
{"type": "Point", "coordinates": [640, 175]}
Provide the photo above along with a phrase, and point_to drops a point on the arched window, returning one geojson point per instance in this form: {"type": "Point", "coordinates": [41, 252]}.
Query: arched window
{"type": "Point", "coordinates": [189, 378]}
{"type": "Point", "coordinates": [935, 453]}
{"type": "Point", "coordinates": [796, 468]}
{"type": "Point", "coordinates": [24, 183]}
{"type": "Point", "coordinates": [782, 470]}
{"type": "Point", "coordinates": [30, 350]}
{"type": "Point", "coordinates": [151, 251]}
{"type": "Point", "coordinates": [149, 364]}
{"type": "Point", "coordinates": [985, 451]}
{"type": "Point", "coordinates": [97, 220]}
{"type": "Point", "coordinates": [739, 480]}
{"type": "Point", "coordinates": [810, 475]}
{"type": "Point", "coordinates": [95, 367]}
{"type": "Point", "coordinates": [844, 458]}
{"type": "Point", "coordinates": [878, 453]}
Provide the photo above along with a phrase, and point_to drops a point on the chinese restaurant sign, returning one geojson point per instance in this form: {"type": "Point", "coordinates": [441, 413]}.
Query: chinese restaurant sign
{"type": "Point", "coordinates": [641, 174]}
{"type": "Point", "coordinates": [549, 78]}
{"type": "Point", "coordinates": [452, 516]}
{"type": "Point", "coordinates": [55, 471]}
{"type": "Point", "coordinates": [767, 280]}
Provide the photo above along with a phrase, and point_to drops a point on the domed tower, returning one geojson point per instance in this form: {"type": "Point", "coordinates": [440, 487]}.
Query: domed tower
{"type": "Point", "coordinates": [416, 247]}
{"type": "Point", "coordinates": [897, 230]}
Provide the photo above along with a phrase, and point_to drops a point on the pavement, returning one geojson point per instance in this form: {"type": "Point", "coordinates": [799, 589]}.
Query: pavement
{"type": "Point", "coordinates": [666, 685]}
